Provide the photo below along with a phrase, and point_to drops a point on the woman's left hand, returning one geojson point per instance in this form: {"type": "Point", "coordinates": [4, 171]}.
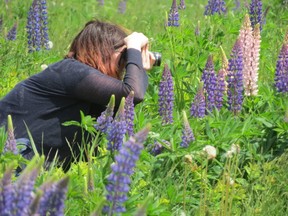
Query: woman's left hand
{"type": "Point", "coordinates": [148, 58]}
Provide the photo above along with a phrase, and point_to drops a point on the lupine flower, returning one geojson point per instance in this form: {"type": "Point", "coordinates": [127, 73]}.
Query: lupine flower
{"type": "Point", "coordinates": [187, 133]}
{"type": "Point", "coordinates": [166, 96]}
{"type": "Point", "coordinates": [210, 151]}
{"type": "Point", "coordinates": [157, 148]}
{"type": "Point", "coordinates": [122, 7]}
{"type": "Point", "coordinates": [173, 16]}
{"type": "Point", "coordinates": [122, 169]}
{"type": "Point", "coordinates": [1, 22]}
{"type": "Point", "coordinates": [12, 33]}
{"type": "Point", "coordinates": [198, 105]}
{"type": "Point", "coordinates": [235, 78]}
{"type": "Point", "coordinates": [210, 81]}
{"type": "Point", "coordinates": [220, 88]}
{"type": "Point", "coordinates": [215, 6]}
{"type": "Point", "coordinates": [224, 67]}
{"type": "Point", "coordinates": [101, 2]}
{"type": "Point", "coordinates": [182, 5]}
{"type": "Point", "coordinates": [247, 40]}
{"type": "Point", "coordinates": [281, 74]}
{"type": "Point", "coordinates": [105, 119]}
{"type": "Point", "coordinates": [7, 193]}
{"type": "Point", "coordinates": [197, 29]}
{"type": "Point", "coordinates": [52, 200]}
{"type": "Point", "coordinates": [237, 5]}
{"type": "Point", "coordinates": [117, 129]}
{"type": "Point", "coordinates": [10, 145]}
{"type": "Point", "coordinates": [129, 113]}
{"type": "Point", "coordinates": [255, 11]}
{"type": "Point", "coordinates": [255, 58]}
{"type": "Point", "coordinates": [37, 26]}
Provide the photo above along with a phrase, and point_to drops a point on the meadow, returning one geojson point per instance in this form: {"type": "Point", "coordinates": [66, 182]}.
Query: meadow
{"type": "Point", "coordinates": [169, 179]}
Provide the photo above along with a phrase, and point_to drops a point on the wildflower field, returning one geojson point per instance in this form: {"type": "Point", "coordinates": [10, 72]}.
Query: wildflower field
{"type": "Point", "coordinates": [210, 137]}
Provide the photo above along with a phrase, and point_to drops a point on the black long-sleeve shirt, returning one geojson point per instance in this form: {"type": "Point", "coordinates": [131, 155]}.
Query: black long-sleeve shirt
{"type": "Point", "coordinates": [56, 95]}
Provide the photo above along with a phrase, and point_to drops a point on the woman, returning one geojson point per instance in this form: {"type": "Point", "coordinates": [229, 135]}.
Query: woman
{"type": "Point", "coordinates": [85, 80]}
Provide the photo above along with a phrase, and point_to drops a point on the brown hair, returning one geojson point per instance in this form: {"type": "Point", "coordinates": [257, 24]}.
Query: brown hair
{"type": "Point", "coordinates": [95, 45]}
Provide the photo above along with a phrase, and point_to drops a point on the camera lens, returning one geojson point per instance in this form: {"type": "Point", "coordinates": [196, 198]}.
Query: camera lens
{"type": "Point", "coordinates": [158, 57]}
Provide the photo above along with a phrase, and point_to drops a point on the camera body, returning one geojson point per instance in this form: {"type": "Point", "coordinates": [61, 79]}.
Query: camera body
{"type": "Point", "coordinates": [158, 58]}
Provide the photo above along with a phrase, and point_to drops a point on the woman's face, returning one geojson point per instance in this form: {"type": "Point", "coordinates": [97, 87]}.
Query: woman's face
{"type": "Point", "coordinates": [121, 58]}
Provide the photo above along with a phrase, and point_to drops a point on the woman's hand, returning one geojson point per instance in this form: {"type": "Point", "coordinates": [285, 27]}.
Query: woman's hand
{"type": "Point", "coordinates": [148, 58]}
{"type": "Point", "coordinates": [136, 40]}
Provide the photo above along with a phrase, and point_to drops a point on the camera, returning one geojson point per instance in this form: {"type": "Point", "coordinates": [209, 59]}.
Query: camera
{"type": "Point", "coordinates": [158, 58]}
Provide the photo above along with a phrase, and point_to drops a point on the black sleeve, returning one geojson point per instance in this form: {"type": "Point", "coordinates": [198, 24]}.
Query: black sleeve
{"type": "Point", "coordinates": [97, 87]}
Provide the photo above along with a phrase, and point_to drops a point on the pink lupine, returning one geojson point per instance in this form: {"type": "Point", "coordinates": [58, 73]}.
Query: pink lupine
{"type": "Point", "coordinates": [224, 69]}
{"type": "Point", "coordinates": [246, 38]}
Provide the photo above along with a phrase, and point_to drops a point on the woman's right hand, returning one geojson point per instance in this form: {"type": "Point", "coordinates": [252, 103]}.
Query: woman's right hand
{"type": "Point", "coordinates": [136, 40]}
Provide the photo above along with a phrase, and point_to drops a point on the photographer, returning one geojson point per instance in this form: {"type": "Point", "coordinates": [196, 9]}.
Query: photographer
{"type": "Point", "coordinates": [91, 72]}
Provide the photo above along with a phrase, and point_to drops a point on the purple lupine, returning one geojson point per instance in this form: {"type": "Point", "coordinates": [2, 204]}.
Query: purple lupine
{"type": "Point", "coordinates": [197, 29]}
{"type": "Point", "coordinates": [157, 147]}
{"type": "Point", "coordinates": [122, 169]}
{"type": "Point", "coordinates": [37, 26]}
{"type": "Point", "coordinates": [198, 105]}
{"type": "Point", "coordinates": [10, 144]}
{"type": "Point", "coordinates": [100, 2]}
{"type": "Point", "coordinates": [255, 11]}
{"type": "Point", "coordinates": [44, 26]}
{"type": "Point", "coordinates": [281, 73]}
{"type": "Point", "coordinates": [182, 5]}
{"type": "Point", "coordinates": [12, 33]}
{"type": "Point", "coordinates": [210, 81]}
{"type": "Point", "coordinates": [7, 193]}
{"type": "Point", "coordinates": [237, 5]}
{"type": "Point", "coordinates": [52, 201]}
{"type": "Point", "coordinates": [173, 16]}
{"type": "Point", "coordinates": [105, 119]}
{"type": "Point", "coordinates": [235, 78]}
{"type": "Point", "coordinates": [118, 129]}
{"type": "Point", "coordinates": [220, 88]}
{"type": "Point", "coordinates": [166, 96]}
{"type": "Point", "coordinates": [129, 113]}
{"type": "Point", "coordinates": [187, 133]}
{"type": "Point", "coordinates": [215, 6]}
{"type": "Point", "coordinates": [122, 7]}
{"type": "Point", "coordinates": [1, 22]}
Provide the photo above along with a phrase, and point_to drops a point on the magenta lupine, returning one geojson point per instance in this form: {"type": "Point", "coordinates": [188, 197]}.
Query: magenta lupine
{"type": "Point", "coordinates": [187, 133]}
{"type": "Point", "coordinates": [220, 89]}
{"type": "Point", "coordinates": [256, 14]}
{"type": "Point", "coordinates": [173, 16]}
{"type": "Point", "coordinates": [105, 119]}
{"type": "Point", "coordinates": [235, 78]}
{"type": "Point", "coordinates": [182, 5]}
{"type": "Point", "coordinates": [281, 73]}
{"type": "Point", "coordinates": [198, 106]}
{"type": "Point", "coordinates": [129, 113]}
{"type": "Point", "coordinates": [54, 194]}
{"type": "Point", "coordinates": [118, 128]}
{"type": "Point", "coordinates": [12, 33]}
{"type": "Point", "coordinates": [210, 82]}
{"type": "Point", "coordinates": [37, 26]}
{"type": "Point", "coordinates": [122, 7]}
{"type": "Point", "coordinates": [166, 96]}
{"type": "Point", "coordinates": [10, 144]}
{"type": "Point", "coordinates": [120, 178]}
{"type": "Point", "coordinates": [215, 6]}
